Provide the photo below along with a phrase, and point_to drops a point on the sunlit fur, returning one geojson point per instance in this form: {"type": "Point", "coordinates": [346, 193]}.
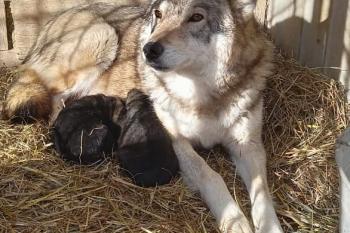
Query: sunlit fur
{"type": "Point", "coordinates": [206, 86]}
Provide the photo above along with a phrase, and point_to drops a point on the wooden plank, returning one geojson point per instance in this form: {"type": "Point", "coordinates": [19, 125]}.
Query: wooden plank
{"type": "Point", "coordinates": [337, 58]}
{"type": "Point", "coordinates": [343, 161]}
{"type": "Point", "coordinates": [9, 58]}
{"type": "Point", "coordinates": [3, 28]}
{"type": "Point", "coordinates": [313, 42]}
{"type": "Point", "coordinates": [285, 19]}
{"type": "Point", "coordinates": [261, 11]}
{"type": "Point", "coordinates": [345, 62]}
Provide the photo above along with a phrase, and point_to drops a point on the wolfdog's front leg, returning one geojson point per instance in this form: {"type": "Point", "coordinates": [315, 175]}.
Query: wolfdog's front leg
{"type": "Point", "coordinates": [250, 159]}
{"type": "Point", "coordinates": [248, 152]}
{"type": "Point", "coordinates": [199, 176]}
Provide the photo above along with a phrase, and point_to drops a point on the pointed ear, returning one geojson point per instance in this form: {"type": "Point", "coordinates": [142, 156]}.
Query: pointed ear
{"type": "Point", "coordinates": [245, 7]}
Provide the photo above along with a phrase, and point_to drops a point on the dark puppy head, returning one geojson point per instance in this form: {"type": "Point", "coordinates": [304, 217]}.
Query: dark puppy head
{"type": "Point", "coordinates": [145, 148]}
{"type": "Point", "coordinates": [84, 131]}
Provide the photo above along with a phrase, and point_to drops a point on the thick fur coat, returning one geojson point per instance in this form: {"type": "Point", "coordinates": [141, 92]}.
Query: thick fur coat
{"type": "Point", "coordinates": [202, 62]}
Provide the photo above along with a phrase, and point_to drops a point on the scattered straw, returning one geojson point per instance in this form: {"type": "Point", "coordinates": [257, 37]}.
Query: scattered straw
{"type": "Point", "coordinates": [304, 114]}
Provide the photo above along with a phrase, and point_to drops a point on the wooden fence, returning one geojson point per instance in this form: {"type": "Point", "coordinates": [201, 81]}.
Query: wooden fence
{"type": "Point", "coordinates": [315, 32]}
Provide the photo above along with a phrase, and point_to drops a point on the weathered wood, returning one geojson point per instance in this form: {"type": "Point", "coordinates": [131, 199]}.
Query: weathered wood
{"type": "Point", "coordinates": [30, 16]}
{"type": "Point", "coordinates": [3, 28]}
{"type": "Point", "coordinates": [261, 11]}
{"type": "Point", "coordinates": [344, 76]}
{"type": "Point", "coordinates": [285, 19]}
{"type": "Point", "coordinates": [343, 161]}
{"type": "Point", "coordinates": [337, 59]}
{"type": "Point", "coordinates": [313, 40]}
{"type": "Point", "coordinates": [9, 58]}
{"type": "Point", "coordinates": [315, 32]}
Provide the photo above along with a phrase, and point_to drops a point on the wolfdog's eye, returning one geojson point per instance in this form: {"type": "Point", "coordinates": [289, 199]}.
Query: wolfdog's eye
{"type": "Point", "coordinates": [196, 18]}
{"type": "Point", "coordinates": [158, 14]}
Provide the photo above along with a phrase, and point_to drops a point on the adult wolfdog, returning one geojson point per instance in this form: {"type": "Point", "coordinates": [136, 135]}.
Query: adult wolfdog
{"type": "Point", "coordinates": [202, 62]}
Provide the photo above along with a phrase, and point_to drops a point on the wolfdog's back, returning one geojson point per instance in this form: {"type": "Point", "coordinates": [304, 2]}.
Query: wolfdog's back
{"type": "Point", "coordinates": [73, 56]}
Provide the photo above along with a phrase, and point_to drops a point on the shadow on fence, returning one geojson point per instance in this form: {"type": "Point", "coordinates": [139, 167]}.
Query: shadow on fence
{"type": "Point", "coordinates": [320, 41]}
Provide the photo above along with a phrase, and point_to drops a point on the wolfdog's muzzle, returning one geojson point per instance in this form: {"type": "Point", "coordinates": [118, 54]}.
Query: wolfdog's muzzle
{"type": "Point", "coordinates": [153, 51]}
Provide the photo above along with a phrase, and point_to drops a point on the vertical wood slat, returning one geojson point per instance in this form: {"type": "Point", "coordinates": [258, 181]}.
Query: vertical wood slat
{"type": "Point", "coordinates": [285, 19]}
{"type": "Point", "coordinates": [313, 40]}
{"type": "Point", "coordinates": [345, 64]}
{"type": "Point", "coordinates": [337, 58]}
{"type": "Point", "coordinates": [316, 32]}
{"type": "Point", "coordinates": [261, 10]}
{"type": "Point", "coordinates": [3, 29]}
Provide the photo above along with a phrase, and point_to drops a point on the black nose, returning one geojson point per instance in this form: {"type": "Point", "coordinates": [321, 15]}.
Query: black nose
{"type": "Point", "coordinates": [153, 50]}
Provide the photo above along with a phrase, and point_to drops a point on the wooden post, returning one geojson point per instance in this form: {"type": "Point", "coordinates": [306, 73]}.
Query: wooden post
{"type": "Point", "coordinates": [3, 28]}
{"type": "Point", "coordinates": [313, 41]}
{"type": "Point", "coordinates": [261, 11]}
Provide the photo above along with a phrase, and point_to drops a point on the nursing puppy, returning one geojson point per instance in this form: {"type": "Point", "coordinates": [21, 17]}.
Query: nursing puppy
{"type": "Point", "coordinates": [202, 62]}
{"type": "Point", "coordinates": [90, 129]}
{"type": "Point", "coordinates": [84, 131]}
{"type": "Point", "coordinates": [145, 148]}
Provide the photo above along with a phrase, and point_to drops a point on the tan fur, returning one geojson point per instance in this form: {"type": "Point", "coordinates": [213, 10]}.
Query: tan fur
{"type": "Point", "coordinates": [28, 90]}
{"type": "Point", "coordinates": [123, 75]}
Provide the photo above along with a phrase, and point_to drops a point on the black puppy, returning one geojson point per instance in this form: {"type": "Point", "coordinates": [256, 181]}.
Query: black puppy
{"type": "Point", "coordinates": [88, 129]}
{"type": "Point", "coordinates": [145, 148]}
{"type": "Point", "coordinates": [84, 131]}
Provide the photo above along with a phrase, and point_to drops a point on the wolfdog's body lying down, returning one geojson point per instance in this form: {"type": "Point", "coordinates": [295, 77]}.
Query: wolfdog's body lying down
{"type": "Point", "coordinates": [202, 62]}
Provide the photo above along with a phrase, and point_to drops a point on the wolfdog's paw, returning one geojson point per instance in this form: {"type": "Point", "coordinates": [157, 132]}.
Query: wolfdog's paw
{"type": "Point", "coordinates": [269, 227]}
{"type": "Point", "coordinates": [236, 225]}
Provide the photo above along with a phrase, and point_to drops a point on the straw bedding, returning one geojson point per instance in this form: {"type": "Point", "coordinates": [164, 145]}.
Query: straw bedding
{"type": "Point", "coordinates": [304, 114]}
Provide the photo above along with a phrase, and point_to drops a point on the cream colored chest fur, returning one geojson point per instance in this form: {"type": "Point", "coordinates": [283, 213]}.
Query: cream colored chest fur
{"type": "Point", "coordinates": [201, 131]}
{"type": "Point", "coordinates": [206, 127]}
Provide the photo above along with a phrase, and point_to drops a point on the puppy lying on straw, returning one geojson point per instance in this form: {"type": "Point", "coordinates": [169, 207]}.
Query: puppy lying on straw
{"type": "Point", "coordinates": [84, 131]}
{"type": "Point", "coordinates": [92, 128]}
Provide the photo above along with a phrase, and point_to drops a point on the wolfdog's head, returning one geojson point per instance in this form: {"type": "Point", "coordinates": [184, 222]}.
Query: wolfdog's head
{"type": "Point", "coordinates": [190, 34]}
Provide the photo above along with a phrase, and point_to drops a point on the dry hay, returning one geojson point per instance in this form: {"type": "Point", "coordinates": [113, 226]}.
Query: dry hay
{"type": "Point", "coordinates": [304, 114]}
